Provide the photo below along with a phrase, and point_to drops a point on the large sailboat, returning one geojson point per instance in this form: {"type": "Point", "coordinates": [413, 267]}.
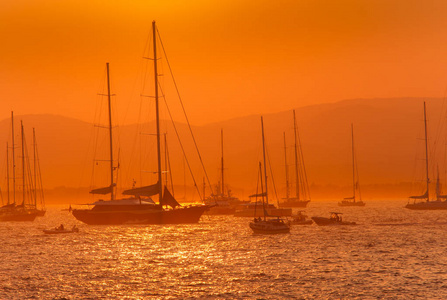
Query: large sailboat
{"type": "Point", "coordinates": [422, 202]}
{"type": "Point", "coordinates": [267, 224]}
{"type": "Point", "coordinates": [13, 212]}
{"type": "Point", "coordinates": [354, 200]}
{"type": "Point", "coordinates": [302, 195]}
{"type": "Point", "coordinates": [139, 208]}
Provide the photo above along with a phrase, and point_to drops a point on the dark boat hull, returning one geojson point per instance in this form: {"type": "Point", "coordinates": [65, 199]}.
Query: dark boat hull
{"type": "Point", "coordinates": [183, 215]}
{"type": "Point", "coordinates": [330, 222]}
{"type": "Point", "coordinates": [269, 227]}
{"type": "Point", "coordinates": [428, 205]}
{"type": "Point", "coordinates": [305, 222]}
{"type": "Point", "coordinates": [351, 203]}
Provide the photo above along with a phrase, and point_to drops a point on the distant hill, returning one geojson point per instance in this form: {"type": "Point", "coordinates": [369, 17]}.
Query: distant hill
{"type": "Point", "coordinates": [387, 136]}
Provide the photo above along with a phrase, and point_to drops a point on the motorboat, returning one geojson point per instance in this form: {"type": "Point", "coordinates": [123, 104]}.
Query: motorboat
{"type": "Point", "coordinates": [334, 219]}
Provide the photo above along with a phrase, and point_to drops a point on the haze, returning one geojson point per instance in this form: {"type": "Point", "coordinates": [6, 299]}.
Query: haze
{"type": "Point", "coordinates": [230, 58]}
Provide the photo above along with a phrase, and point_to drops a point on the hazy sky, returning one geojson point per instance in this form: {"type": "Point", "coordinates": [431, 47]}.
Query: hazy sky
{"type": "Point", "coordinates": [230, 58]}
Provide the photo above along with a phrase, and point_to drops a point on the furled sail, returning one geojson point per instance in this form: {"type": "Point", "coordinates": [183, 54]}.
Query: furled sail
{"type": "Point", "coordinates": [424, 196]}
{"type": "Point", "coordinates": [349, 198]}
{"type": "Point", "coordinates": [168, 199]}
{"type": "Point", "coordinates": [145, 191]}
{"type": "Point", "coordinates": [103, 191]}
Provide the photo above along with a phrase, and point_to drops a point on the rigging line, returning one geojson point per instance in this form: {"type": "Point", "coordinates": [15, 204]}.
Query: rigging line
{"type": "Point", "coordinates": [184, 111]}
{"type": "Point", "coordinates": [181, 146]}
{"type": "Point", "coordinates": [301, 157]}
{"type": "Point", "coordinates": [273, 178]}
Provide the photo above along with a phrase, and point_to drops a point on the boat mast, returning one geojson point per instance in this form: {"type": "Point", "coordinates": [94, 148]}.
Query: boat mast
{"type": "Point", "coordinates": [262, 192]}
{"type": "Point", "coordinates": [160, 183]}
{"type": "Point", "coordinates": [34, 167]}
{"type": "Point", "coordinates": [23, 163]}
{"type": "Point", "coordinates": [110, 133]}
{"type": "Point", "coordinates": [7, 169]}
{"type": "Point", "coordinates": [296, 159]}
{"type": "Point", "coordinates": [353, 162]}
{"type": "Point", "coordinates": [222, 163]}
{"type": "Point", "coordinates": [265, 168]}
{"type": "Point", "coordinates": [13, 161]}
{"type": "Point", "coordinates": [287, 168]}
{"type": "Point", "coordinates": [426, 153]}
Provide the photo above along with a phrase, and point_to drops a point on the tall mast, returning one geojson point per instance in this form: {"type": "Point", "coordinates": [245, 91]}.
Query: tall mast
{"type": "Point", "coordinates": [110, 133]}
{"type": "Point", "coordinates": [23, 163]}
{"type": "Point", "coordinates": [353, 161]}
{"type": "Point", "coordinates": [287, 168]}
{"type": "Point", "coordinates": [160, 183]}
{"type": "Point", "coordinates": [222, 163]}
{"type": "Point", "coordinates": [262, 189]}
{"type": "Point", "coordinates": [265, 168]}
{"type": "Point", "coordinates": [426, 153]}
{"type": "Point", "coordinates": [34, 167]}
{"type": "Point", "coordinates": [297, 179]}
{"type": "Point", "coordinates": [13, 161]}
{"type": "Point", "coordinates": [7, 169]}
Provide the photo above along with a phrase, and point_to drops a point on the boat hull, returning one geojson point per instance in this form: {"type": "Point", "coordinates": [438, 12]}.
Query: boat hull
{"type": "Point", "coordinates": [183, 215]}
{"type": "Point", "coordinates": [297, 203]}
{"type": "Point", "coordinates": [55, 231]}
{"type": "Point", "coordinates": [330, 222]}
{"type": "Point", "coordinates": [428, 205]}
{"type": "Point", "coordinates": [305, 222]}
{"type": "Point", "coordinates": [277, 212]}
{"type": "Point", "coordinates": [269, 227]}
{"type": "Point", "coordinates": [219, 210]}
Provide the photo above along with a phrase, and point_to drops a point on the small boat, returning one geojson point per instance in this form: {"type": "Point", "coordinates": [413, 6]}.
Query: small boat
{"type": "Point", "coordinates": [268, 224]}
{"type": "Point", "coordinates": [61, 229]}
{"type": "Point", "coordinates": [300, 219]}
{"type": "Point", "coordinates": [335, 219]}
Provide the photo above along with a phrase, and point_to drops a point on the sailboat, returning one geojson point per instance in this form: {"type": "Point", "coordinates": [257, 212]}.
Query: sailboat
{"type": "Point", "coordinates": [302, 197]}
{"type": "Point", "coordinates": [24, 212]}
{"type": "Point", "coordinates": [267, 224]}
{"type": "Point", "coordinates": [440, 203]}
{"type": "Point", "coordinates": [352, 201]}
{"type": "Point", "coordinates": [222, 202]}
{"type": "Point", "coordinates": [139, 208]}
{"type": "Point", "coordinates": [38, 188]}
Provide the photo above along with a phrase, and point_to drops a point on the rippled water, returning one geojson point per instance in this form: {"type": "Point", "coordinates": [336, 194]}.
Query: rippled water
{"type": "Point", "coordinates": [394, 253]}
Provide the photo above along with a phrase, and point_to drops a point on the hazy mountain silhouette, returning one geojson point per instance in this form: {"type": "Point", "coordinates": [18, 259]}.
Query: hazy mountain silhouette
{"type": "Point", "coordinates": [387, 133]}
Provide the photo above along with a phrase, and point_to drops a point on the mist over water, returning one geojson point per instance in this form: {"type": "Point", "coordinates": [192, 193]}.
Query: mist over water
{"type": "Point", "coordinates": [393, 253]}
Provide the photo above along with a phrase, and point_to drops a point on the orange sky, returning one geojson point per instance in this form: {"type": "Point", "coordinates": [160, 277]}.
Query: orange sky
{"type": "Point", "coordinates": [230, 58]}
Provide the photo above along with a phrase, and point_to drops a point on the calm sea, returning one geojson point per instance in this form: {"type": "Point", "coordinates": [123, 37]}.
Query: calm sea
{"type": "Point", "coordinates": [393, 253]}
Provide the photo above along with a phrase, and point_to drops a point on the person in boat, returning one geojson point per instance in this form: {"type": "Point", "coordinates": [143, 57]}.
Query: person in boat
{"type": "Point", "coordinates": [61, 227]}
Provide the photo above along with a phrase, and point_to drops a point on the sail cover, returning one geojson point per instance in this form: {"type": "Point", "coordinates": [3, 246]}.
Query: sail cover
{"type": "Point", "coordinates": [424, 196]}
{"type": "Point", "coordinates": [145, 191]}
{"type": "Point", "coordinates": [103, 191]}
{"type": "Point", "coordinates": [168, 199]}
{"type": "Point", "coordinates": [258, 195]}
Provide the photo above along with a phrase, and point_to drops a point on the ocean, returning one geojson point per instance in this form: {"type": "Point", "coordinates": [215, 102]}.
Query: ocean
{"type": "Point", "coordinates": [393, 253]}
